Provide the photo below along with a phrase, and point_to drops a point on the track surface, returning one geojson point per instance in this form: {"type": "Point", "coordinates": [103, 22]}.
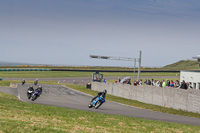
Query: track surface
{"type": "Point", "coordinates": [65, 97]}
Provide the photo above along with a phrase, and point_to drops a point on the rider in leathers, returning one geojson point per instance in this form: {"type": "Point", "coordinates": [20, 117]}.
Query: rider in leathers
{"type": "Point", "coordinates": [99, 94]}
{"type": "Point", "coordinates": [30, 88]}
{"type": "Point", "coordinates": [39, 89]}
{"type": "Point", "coordinates": [23, 81]}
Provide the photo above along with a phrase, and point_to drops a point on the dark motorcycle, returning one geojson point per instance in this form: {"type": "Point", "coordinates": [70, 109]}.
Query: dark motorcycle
{"type": "Point", "coordinates": [30, 93]}
{"type": "Point", "coordinates": [35, 95]}
{"type": "Point", "coordinates": [97, 102]}
{"type": "Point", "coordinates": [23, 82]}
{"type": "Point", "coordinates": [35, 82]}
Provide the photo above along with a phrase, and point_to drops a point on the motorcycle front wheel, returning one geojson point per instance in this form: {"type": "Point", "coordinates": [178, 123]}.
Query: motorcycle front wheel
{"type": "Point", "coordinates": [29, 96]}
{"type": "Point", "coordinates": [34, 97]}
{"type": "Point", "coordinates": [89, 106]}
{"type": "Point", "coordinates": [98, 104]}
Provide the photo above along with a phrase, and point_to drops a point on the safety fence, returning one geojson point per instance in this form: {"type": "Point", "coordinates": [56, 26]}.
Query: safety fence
{"type": "Point", "coordinates": [25, 69]}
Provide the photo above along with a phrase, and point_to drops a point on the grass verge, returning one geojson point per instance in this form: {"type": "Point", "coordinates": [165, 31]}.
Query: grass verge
{"type": "Point", "coordinates": [54, 74]}
{"type": "Point", "coordinates": [17, 116]}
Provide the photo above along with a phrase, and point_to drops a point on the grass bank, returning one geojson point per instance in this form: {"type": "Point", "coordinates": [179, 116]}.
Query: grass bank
{"type": "Point", "coordinates": [17, 116]}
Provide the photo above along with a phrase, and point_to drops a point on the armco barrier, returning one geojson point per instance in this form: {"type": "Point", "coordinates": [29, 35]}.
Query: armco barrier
{"type": "Point", "coordinates": [24, 69]}
{"type": "Point", "coordinates": [176, 98]}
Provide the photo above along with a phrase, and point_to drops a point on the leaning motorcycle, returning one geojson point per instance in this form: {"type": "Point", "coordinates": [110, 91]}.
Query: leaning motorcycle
{"type": "Point", "coordinates": [29, 93]}
{"type": "Point", "coordinates": [23, 82]}
{"type": "Point", "coordinates": [97, 102]}
{"type": "Point", "coordinates": [35, 82]}
{"type": "Point", "coordinates": [35, 95]}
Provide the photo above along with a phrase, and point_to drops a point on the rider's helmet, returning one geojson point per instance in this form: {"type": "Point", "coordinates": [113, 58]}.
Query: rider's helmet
{"type": "Point", "coordinates": [105, 91]}
{"type": "Point", "coordinates": [39, 87]}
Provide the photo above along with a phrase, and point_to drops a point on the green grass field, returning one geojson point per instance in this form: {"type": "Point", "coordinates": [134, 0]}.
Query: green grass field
{"type": "Point", "coordinates": [65, 74]}
{"type": "Point", "coordinates": [17, 116]}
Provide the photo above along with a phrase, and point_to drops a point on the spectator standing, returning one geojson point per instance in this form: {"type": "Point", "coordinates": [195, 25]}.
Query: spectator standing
{"type": "Point", "coordinates": [189, 85]}
{"type": "Point", "coordinates": [149, 82]}
{"type": "Point", "coordinates": [136, 83]}
{"type": "Point", "coordinates": [152, 82]}
{"type": "Point", "coordinates": [157, 83]}
{"type": "Point", "coordinates": [168, 83]}
{"type": "Point", "coordinates": [183, 85]}
{"type": "Point", "coordinates": [128, 81]}
{"type": "Point", "coordinates": [140, 83]}
{"type": "Point", "coordinates": [172, 83]}
{"type": "Point", "coordinates": [146, 82]}
{"type": "Point", "coordinates": [163, 83]}
{"type": "Point", "coordinates": [176, 84]}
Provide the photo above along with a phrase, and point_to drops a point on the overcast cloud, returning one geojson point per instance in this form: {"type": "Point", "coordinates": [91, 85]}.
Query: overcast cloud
{"type": "Point", "coordinates": [68, 31]}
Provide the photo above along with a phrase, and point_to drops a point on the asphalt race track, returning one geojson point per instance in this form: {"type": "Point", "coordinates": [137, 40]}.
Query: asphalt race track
{"type": "Point", "coordinates": [57, 95]}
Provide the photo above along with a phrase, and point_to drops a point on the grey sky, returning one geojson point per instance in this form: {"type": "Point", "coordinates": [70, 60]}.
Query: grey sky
{"type": "Point", "coordinates": [68, 31]}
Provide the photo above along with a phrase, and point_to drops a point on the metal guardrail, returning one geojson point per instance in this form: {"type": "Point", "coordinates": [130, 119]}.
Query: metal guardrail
{"type": "Point", "coordinates": [25, 69]}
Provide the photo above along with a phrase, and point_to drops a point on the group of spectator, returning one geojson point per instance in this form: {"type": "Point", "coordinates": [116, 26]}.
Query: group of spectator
{"type": "Point", "coordinates": [162, 83]}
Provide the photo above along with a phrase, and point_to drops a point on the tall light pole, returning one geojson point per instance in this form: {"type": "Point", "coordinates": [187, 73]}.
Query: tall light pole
{"type": "Point", "coordinates": [139, 66]}
{"type": "Point", "coordinates": [123, 59]}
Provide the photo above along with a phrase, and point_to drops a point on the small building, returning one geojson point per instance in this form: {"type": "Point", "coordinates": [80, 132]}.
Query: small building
{"type": "Point", "coordinates": [192, 77]}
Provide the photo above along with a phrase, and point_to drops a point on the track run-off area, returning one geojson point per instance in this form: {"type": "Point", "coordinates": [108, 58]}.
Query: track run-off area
{"type": "Point", "coordinates": [57, 95]}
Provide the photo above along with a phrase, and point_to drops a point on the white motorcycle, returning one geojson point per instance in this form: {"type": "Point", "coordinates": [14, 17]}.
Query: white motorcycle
{"type": "Point", "coordinates": [30, 93]}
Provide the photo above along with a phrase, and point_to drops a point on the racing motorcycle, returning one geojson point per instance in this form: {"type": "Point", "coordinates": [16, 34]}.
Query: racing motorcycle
{"type": "Point", "coordinates": [35, 95]}
{"type": "Point", "coordinates": [97, 102]}
{"type": "Point", "coordinates": [35, 82]}
{"type": "Point", "coordinates": [23, 82]}
{"type": "Point", "coordinates": [30, 93]}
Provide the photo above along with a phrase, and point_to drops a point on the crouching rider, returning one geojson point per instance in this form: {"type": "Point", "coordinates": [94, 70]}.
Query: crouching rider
{"type": "Point", "coordinates": [39, 89]}
{"type": "Point", "coordinates": [103, 94]}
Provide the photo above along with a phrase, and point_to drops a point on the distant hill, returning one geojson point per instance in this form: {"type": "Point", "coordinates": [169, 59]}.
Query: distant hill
{"type": "Point", "coordinates": [180, 65]}
{"type": "Point", "coordinates": [183, 65]}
